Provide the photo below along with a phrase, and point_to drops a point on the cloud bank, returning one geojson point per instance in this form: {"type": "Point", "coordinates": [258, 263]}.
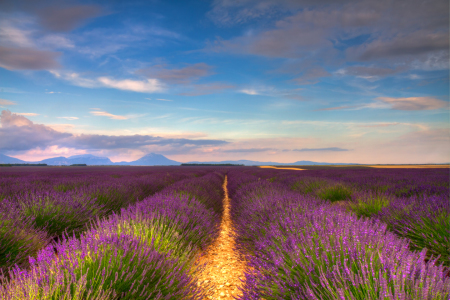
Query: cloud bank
{"type": "Point", "coordinates": [19, 133]}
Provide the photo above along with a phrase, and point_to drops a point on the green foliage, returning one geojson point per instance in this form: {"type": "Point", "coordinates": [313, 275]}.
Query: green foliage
{"type": "Point", "coordinates": [58, 217]}
{"type": "Point", "coordinates": [432, 234]}
{"type": "Point", "coordinates": [369, 205]}
{"type": "Point", "coordinates": [62, 188]}
{"type": "Point", "coordinates": [160, 233]}
{"type": "Point", "coordinates": [334, 193]}
{"type": "Point", "coordinates": [17, 242]}
{"type": "Point", "coordinates": [309, 185]}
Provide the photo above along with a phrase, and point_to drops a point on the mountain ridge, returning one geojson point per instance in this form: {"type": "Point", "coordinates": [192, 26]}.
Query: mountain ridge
{"type": "Point", "coordinates": [151, 159]}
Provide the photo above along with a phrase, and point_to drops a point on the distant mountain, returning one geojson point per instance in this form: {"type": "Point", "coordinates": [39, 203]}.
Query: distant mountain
{"type": "Point", "coordinates": [55, 161]}
{"type": "Point", "coordinates": [89, 159]}
{"type": "Point", "coordinates": [151, 159]}
{"type": "Point", "coordinates": [4, 159]}
{"type": "Point", "coordinates": [269, 163]}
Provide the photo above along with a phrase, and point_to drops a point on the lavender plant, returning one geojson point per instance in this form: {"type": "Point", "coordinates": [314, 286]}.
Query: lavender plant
{"type": "Point", "coordinates": [40, 210]}
{"type": "Point", "coordinates": [369, 204]}
{"type": "Point", "coordinates": [307, 249]}
{"type": "Point", "coordinates": [333, 193]}
{"type": "Point", "coordinates": [425, 221]}
{"type": "Point", "coordinates": [18, 238]}
{"type": "Point", "coordinates": [107, 266]}
{"type": "Point", "coordinates": [146, 251]}
{"type": "Point", "coordinates": [57, 213]}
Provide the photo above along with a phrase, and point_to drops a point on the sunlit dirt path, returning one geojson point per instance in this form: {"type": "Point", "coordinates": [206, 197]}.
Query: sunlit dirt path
{"type": "Point", "coordinates": [224, 271]}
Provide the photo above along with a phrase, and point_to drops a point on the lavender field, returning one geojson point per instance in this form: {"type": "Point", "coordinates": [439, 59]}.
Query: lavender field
{"type": "Point", "coordinates": [138, 232]}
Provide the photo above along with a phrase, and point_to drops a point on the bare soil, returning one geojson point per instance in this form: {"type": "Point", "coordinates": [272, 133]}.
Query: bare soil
{"type": "Point", "coordinates": [224, 271]}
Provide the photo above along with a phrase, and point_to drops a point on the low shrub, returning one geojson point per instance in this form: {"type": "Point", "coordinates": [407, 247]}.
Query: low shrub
{"type": "Point", "coordinates": [59, 212]}
{"type": "Point", "coordinates": [425, 221]}
{"type": "Point", "coordinates": [122, 268]}
{"type": "Point", "coordinates": [369, 204]}
{"type": "Point", "coordinates": [337, 192]}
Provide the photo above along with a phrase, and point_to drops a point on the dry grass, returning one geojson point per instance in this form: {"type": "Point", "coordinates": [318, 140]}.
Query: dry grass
{"type": "Point", "coordinates": [224, 271]}
{"type": "Point", "coordinates": [281, 168]}
{"type": "Point", "coordinates": [410, 166]}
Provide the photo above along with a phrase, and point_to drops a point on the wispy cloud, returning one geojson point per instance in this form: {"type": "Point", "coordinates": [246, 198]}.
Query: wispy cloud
{"type": "Point", "coordinates": [141, 86]}
{"type": "Point", "coordinates": [107, 114]}
{"type": "Point", "coordinates": [250, 92]}
{"type": "Point", "coordinates": [320, 149]}
{"type": "Point", "coordinates": [68, 118]}
{"type": "Point", "coordinates": [414, 103]}
{"type": "Point", "coordinates": [146, 86]}
{"type": "Point", "coordinates": [409, 103]}
{"type": "Point", "coordinates": [380, 125]}
{"type": "Point", "coordinates": [184, 75]}
{"type": "Point", "coordinates": [28, 114]}
{"type": "Point", "coordinates": [336, 108]}
{"type": "Point", "coordinates": [7, 102]}
{"type": "Point", "coordinates": [312, 76]}
{"type": "Point", "coordinates": [206, 89]}
{"type": "Point", "coordinates": [271, 91]}
{"type": "Point", "coordinates": [159, 99]}
{"type": "Point", "coordinates": [250, 150]}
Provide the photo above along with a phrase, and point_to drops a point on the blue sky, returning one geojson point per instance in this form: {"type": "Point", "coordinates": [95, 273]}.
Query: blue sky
{"type": "Point", "coordinates": [335, 81]}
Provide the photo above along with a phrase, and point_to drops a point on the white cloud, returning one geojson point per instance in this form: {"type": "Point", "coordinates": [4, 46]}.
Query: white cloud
{"type": "Point", "coordinates": [164, 100]}
{"type": "Point", "coordinates": [6, 102]}
{"type": "Point", "coordinates": [414, 103]}
{"type": "Point", "coordinates": [13, 36]}
{"type": "Point", "coordinates": [27, 114]}
{"type": "Point", "coordinates": [141, 86]}
{"type": "Point", "coordinates": [250, 92]}
{"type": "Point", "coordinates": [68, 118]}
{"type": "Point", "coordinates": [107, 114]}
{"type": "Point", "coordinates": [145, 86]}
{"type": "Point", "coordinates": [56, 41]}
{"type": "Point", "coordinates": [414, 76]}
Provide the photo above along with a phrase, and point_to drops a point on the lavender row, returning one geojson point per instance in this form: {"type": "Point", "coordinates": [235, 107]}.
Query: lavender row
{"type": "Point", "coordinates": [302, 247]}
{"type": "Point", "coordinates": [30, 219]}
{"type": "Point", "coordinates": [421, 213]}
{"type": "Point", "coordinates": [147, 251]}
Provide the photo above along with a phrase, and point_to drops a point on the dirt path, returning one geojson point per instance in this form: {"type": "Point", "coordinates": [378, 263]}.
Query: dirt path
{"type": "Point", "coordinates": [225, 269]}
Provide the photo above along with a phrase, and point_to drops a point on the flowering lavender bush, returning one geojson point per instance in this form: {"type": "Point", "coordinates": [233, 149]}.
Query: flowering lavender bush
{"type": "Point", "coordinates": [368, 204]}
{"type": "Point", "coordinates": [120, 267]}
{"type": "Point", "coordinates": [333, 193]}
{"type": "Point", "coordinates": [425, 221]}
{"type": "Point", "coordinates": [206, 189]}
{"type": "Point", "coordinates": [18, 238]}
{"type": "Point", "coordinates": [301, 248]}
{"type": "Point", "coordinates": [43, 204]}
{"type": "Point", "coordinates": [57, 213]}
{"type": "Point", "coordinates": [146, 251]}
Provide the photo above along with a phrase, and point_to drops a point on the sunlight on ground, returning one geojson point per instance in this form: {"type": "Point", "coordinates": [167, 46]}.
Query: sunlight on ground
{"type": "Point", "coordinates": [412, 166]}
{"type": "Point", "coordinates": [271, 167]}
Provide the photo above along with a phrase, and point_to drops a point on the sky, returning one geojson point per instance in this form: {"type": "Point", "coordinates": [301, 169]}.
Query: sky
{"type": "Point", "coordinates": [338, 81]}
